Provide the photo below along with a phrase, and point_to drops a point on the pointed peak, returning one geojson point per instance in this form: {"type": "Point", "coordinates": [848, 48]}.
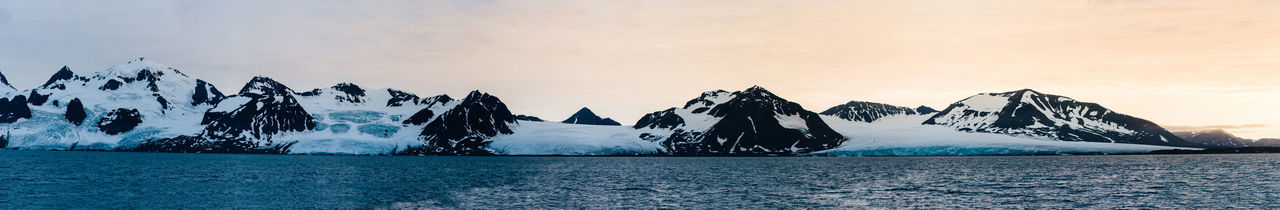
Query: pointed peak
{"type": "Point", "coordinates": [1023, 91]}
{"type": "Point", "coordinates": [63, 74]}
{"type": "Point", "coordinates": [261, 85]}
{"type": "Point", "coordinates": [756, 88]}
{"type": "Point", "coordinates": [4, 80]}
{"type": "Point", "coordinates": [476, 93]}
{"type": "Point", "coordinates": [584, 112]}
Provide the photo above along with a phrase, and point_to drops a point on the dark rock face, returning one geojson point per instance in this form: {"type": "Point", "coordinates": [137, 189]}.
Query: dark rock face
{"type": "Point", "coordinates": [111, 85]}
{"type": "Point", "coordinates": [665, 119]}
{"type": "Point", "coordinates": [1213, 138]}
{"type": "Point", "coordinates": [421, 117]}
{"type": "Point", "coordinates": [926, 110]}
{"type": "Point", "coordinates": [350, 93]}
{"type": "Point", "coordinates": [75, 112]}
{"type": "Point", "coordinates": [344, 92]}
{"type": "Point", "coordinates": [206, 94]}
{"type": "Point", "coordinates": [529, 118]}
{"type": "Point", "coordinates": [401, 98]}
{"type": "Point", "coordinates": [270, 109]}
{"type": "Point", "coordinates": [859, 111]}
{"type": "Point", "coordinates": [4, 81]}
{"type": "Point", "coordinates": [119, 121]}
{"type": "Point", "coordinates": [200, 144]}
{"type": "Point", "coordinates": [15, 109]}
{"type": "Point", "coordinates": [1030, 113]}
{"type": "Point", "coordinates": [426, 115]}
{"type": "Point", "coordinates": [37, 99]}
{"type": "Point", "coordinates": [466, 128]}
{"type": "Point", "coordinates": [749, 122]}
{"type": "Point", "coordinates": [62, 74]}
{"type": "Point", "coordinates": [586, 117]}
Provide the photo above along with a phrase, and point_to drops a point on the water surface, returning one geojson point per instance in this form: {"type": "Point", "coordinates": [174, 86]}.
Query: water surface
{"type": "Point", "coordinates": [41, 179]}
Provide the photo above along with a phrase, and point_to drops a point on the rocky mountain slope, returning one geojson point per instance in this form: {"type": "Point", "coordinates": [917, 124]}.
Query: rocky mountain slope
{"type": "Point", "coordinates": [749, 122]}
{"type": "Point", "coordinates": [1033, 114]}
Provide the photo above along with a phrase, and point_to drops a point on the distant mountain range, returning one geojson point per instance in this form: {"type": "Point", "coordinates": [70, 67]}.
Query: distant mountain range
{"type": "Point", "coordinates": [145, 106]}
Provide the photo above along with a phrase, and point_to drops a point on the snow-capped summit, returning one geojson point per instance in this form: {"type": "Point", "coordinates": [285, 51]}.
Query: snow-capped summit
{"type": "Point", "coordinates": [860, 111]}
{"type": "Point", "coordinates": [1030, 113]}
{"type": "Point", "coordinates": [122, 106]}
{"type": "Point", "coordinates": [586, 117]}
{"type": "Point", "coordinates": [261, 85]}
{"type": "Point", "coordinates": [749, 122]}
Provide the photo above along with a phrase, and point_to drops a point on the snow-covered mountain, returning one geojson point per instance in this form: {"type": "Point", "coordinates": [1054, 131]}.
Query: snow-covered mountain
{"type": "Point", "coordinates": [749, 122]}
{"type": "Point", "coordinates": [124, 105]}
{"type": "Point", "coordinates": [466, 128]}
{"type": "Point", "coordinates": [862, 111]}
{"type": "Point", "coordinates": [587, 117]}
{"type": "Point", "coordinates": [905, 135]}
{"type": "Point", "coordinates": [1033, 114]}
{"type": "Point", "coordinates": [1213, 138]}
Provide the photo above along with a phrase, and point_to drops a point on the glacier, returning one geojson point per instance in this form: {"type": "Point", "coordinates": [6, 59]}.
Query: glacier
{"type": "Point", "coordinates": [551, 138]}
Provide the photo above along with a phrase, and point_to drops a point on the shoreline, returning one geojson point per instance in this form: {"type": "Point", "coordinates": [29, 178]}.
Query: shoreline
{"type": "Point", "coordinates": [1207, 151]}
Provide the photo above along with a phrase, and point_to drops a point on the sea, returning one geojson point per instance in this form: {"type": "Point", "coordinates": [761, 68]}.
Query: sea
{"type": "Point", "coordinates": [117, 180]}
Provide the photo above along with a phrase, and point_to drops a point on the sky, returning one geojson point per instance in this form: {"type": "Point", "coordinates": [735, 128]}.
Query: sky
{"type": "Point", "coordinates": [1182, 64]}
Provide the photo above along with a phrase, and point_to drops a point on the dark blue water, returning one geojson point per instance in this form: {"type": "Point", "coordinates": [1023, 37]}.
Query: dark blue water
{"type": "Point", "coordinates": [32, 179]}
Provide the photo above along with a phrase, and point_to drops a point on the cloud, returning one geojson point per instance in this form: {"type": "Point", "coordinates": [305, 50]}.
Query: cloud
{"type": "Point", "coordinates": [1214, 127]}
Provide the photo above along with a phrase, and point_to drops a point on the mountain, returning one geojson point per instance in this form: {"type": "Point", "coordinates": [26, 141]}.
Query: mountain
{"type": "Point", "coordinates": [749, 122]}
{"type": "Point", "coordinates": [263, 108]}
{"type": "Point", "coordinates": [5, 87]}
{"type": "Point", "coordinates": [466, 128]}
{"type": "Point", "coordinates": [121, 106]}
{"type": "Point", "coordinates": [1033, 114]}
{"type": "Point", "coordinates": [1268, 142]}
{"type": "Point", "coordinates": [860, 111]}
{"type": "Point", "coordinates": [529, 118]}
{"type": "Point", "coordinates": [926, 110]}
{"type": "Point", "coordinates": [586, 117]}
{"type": "Point", "coordinates": [1213, 138]}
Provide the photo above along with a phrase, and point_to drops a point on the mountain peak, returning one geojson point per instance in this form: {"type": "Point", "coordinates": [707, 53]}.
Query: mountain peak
{"type": "Point", "coordinates": [585, 110]}
{"type": "Point", "coordinates": [757, 89]}
{"type": "Point", "coordinates": [261, 85]}
{"type": "Point", "coordinates": [63, 74]}
{"type": "Point", "coordinates": [1030, 113]}
{"type": "Point", "coordinates": [587, 117]}
{"type": "Point", "coordinates": [4, 81]}
{"type": "Point", "coordinates": [861, 111]}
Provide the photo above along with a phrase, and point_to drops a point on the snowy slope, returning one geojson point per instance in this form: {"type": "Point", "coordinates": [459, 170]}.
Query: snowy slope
{"type": "Point", "coordinates": [749, 122]}
{"type": "Point", "coordinates": [548, 138]}
{"type": "Point", "coordinates": [165, 102]}
{"type": "Point", "coordinates": [904, 135]}
{"type": "Point", "coordinates": [1033, 114]}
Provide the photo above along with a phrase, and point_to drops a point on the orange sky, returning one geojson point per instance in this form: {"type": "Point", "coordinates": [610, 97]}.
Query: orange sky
{"type": "Point", "coordinates": [1178, 63]}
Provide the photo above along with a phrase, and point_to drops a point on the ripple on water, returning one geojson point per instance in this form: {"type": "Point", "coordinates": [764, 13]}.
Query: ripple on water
{"type": "Point", "coordinates": [33, 179]}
